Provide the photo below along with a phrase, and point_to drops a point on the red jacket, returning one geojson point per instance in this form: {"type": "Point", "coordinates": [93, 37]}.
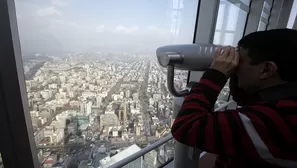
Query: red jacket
{"type": "Point", "coordinates": [260, 134]}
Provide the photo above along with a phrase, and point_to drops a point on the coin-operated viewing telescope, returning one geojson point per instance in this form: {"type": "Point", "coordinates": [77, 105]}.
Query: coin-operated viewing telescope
{"type": "Point", "coordinates": [191, 57]}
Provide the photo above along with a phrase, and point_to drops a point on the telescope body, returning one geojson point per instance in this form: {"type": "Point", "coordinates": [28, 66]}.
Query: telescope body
{"type": "Point", "coordinates": [192, 57]}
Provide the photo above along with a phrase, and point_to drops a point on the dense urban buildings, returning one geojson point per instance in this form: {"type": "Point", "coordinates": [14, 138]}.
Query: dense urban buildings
{"type": "Point", "coordinates": [89, 106]}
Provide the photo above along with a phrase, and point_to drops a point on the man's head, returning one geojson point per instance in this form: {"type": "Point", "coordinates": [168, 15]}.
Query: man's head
{"type": "Point", "coordinates": [267, 58]}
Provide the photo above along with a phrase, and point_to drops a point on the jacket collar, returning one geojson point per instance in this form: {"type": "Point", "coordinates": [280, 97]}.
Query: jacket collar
{"type": "Point", "coordinates": [283, 91]}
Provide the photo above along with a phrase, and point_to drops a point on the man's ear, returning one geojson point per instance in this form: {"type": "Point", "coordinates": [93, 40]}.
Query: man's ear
{"type": "Point", "coordinates": [269, 69]}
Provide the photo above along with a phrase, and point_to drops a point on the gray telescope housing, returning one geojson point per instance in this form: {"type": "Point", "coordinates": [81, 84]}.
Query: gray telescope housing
{"type": "Point", "coordinates": [191, 57]}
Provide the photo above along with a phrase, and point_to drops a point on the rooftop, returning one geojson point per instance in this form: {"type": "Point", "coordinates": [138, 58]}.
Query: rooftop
{"type": "Point", "coordinates": [108, 161]}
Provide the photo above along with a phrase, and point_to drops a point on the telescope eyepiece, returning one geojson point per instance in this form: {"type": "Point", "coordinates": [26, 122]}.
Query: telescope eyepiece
{"type": "Point", "coordinates": [171, 58]}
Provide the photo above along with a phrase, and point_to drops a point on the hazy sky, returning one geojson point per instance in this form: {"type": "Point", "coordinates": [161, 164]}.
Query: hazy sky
{"type": "Point", "coordinates": [95, 25]}
{"type": "Point", "coordinates": [56, 26]}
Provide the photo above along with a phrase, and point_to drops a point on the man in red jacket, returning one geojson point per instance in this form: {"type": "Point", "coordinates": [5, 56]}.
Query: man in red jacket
{"type": "Point", "coordinates": [263, 133]}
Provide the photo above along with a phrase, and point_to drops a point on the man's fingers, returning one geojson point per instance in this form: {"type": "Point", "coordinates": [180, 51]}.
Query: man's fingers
{"type": "Point", "coordinates": [225, 61]}
{"type": "Point", "coordinates": [230, 56]}
{"type": "Point", "coordinates": [218, 52]}
{"type": "Point", "coordinates": [226, 52]}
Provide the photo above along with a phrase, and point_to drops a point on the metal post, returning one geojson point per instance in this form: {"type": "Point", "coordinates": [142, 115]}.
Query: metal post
{"type": "Point", "coordinates": [207, 12]}
{"type": "Point", "coordinates": [181, 158]}
{"type": "Point", "coordinates": [17, 146]}
{"type": "Point", "coordinates": [184, 156]}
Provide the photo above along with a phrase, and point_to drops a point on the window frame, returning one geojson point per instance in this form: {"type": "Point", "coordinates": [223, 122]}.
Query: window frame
{"type": "Point", "coordinates": [204, 33]}
{"type": "Point", "coordinates": [254, 16]}
{"type": "Point", "coordinates": [17, 144]}
{"type": "Point", "coordinates": [18, 148]}
{"type": "Point", "coordinates": [242, 8]}
{"type": "Point", "coordinates": [284, 13]}
{"type": "Point", "coordinates": [294, 26]}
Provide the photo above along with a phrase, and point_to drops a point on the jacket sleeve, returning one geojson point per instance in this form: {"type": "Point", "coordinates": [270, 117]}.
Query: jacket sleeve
{"type": "Point", "coordinates": [197, 125]}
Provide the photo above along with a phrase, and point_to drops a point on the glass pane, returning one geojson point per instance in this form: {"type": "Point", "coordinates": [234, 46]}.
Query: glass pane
{"type": "Point", "coordinates": [217, 38]}
{"type": "Point", "coordinates": [93, 81]}
{"type": "Point", "coordinates": [158, 157]}
{"type": "Point", "coordinates": [180, 79]}
{"type": "Point", "coordinates": [231, 20]}
{"type": "Point", "coordinates": [220, 17]}
{"type": "Point", "coordinates": [229, 33]}
{"type": "Point", "coordinates": [228, 39]}
{"type": "Point", "coordinates": [292, 15]}
{"type": "Point", "coordinates": [152, 159]}
{"type": "Point", "coordinates": [232, 16]}
{"type": "Point", "coordinates": [265, 15]}
{"type": "Point", "coordinates": [267, 6]}
{"type": "Point", "coordinates": [247, 2]}
{"type": "Point", "coordinates": [223, 96]}
{"type": "Point", "coordinates": [262, 26]}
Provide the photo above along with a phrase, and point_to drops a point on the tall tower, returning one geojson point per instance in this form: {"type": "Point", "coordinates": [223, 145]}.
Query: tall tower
{"type": "Point", "coordinates": [123, 113]}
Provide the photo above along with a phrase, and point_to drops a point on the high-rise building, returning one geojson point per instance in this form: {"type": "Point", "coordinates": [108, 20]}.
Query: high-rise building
{"type": "Point", "coordinates": [82, 107]}
{"type": "Point", "coordinates": [137, 130]}
{"type": "Point", "coordinates": [98, 100]}
{"type": "Point", "coordinates": [123, 113]}
{"type": "Point", "coordinates": [62, 79]}
{"type": "Point", "coordinates": [89, 108]}
{"type": "Point", "coordinates": [108, 161]}
{"type": "Point", "coordinates": [127, 94]}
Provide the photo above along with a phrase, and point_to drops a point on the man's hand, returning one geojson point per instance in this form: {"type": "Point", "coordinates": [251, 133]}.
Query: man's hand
{"type": "Point", "coordinates": [226, 62]}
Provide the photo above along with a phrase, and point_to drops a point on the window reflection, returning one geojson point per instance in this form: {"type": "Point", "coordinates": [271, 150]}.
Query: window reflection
{"type": "Point", "coordinates": [233, 13]}
{"type": "Point", "coordinates": [264, 18]}
{"type": "Point", "coordinates": [262, 26]}
{"type": "Point", "coordinates": [220, 17]}
{"type": "Point", "coordinates": [247, 2]}
{"type": "Point", "coordinates": [230, 24]}
{"type": "Point", "coordinates": [229, 38]}
{"type": "Point", "coordinates": [292, 15]}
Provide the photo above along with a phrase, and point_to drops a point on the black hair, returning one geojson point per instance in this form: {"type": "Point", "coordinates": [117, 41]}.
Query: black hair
{"type": "Point", "coordinates": [278, 46]}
